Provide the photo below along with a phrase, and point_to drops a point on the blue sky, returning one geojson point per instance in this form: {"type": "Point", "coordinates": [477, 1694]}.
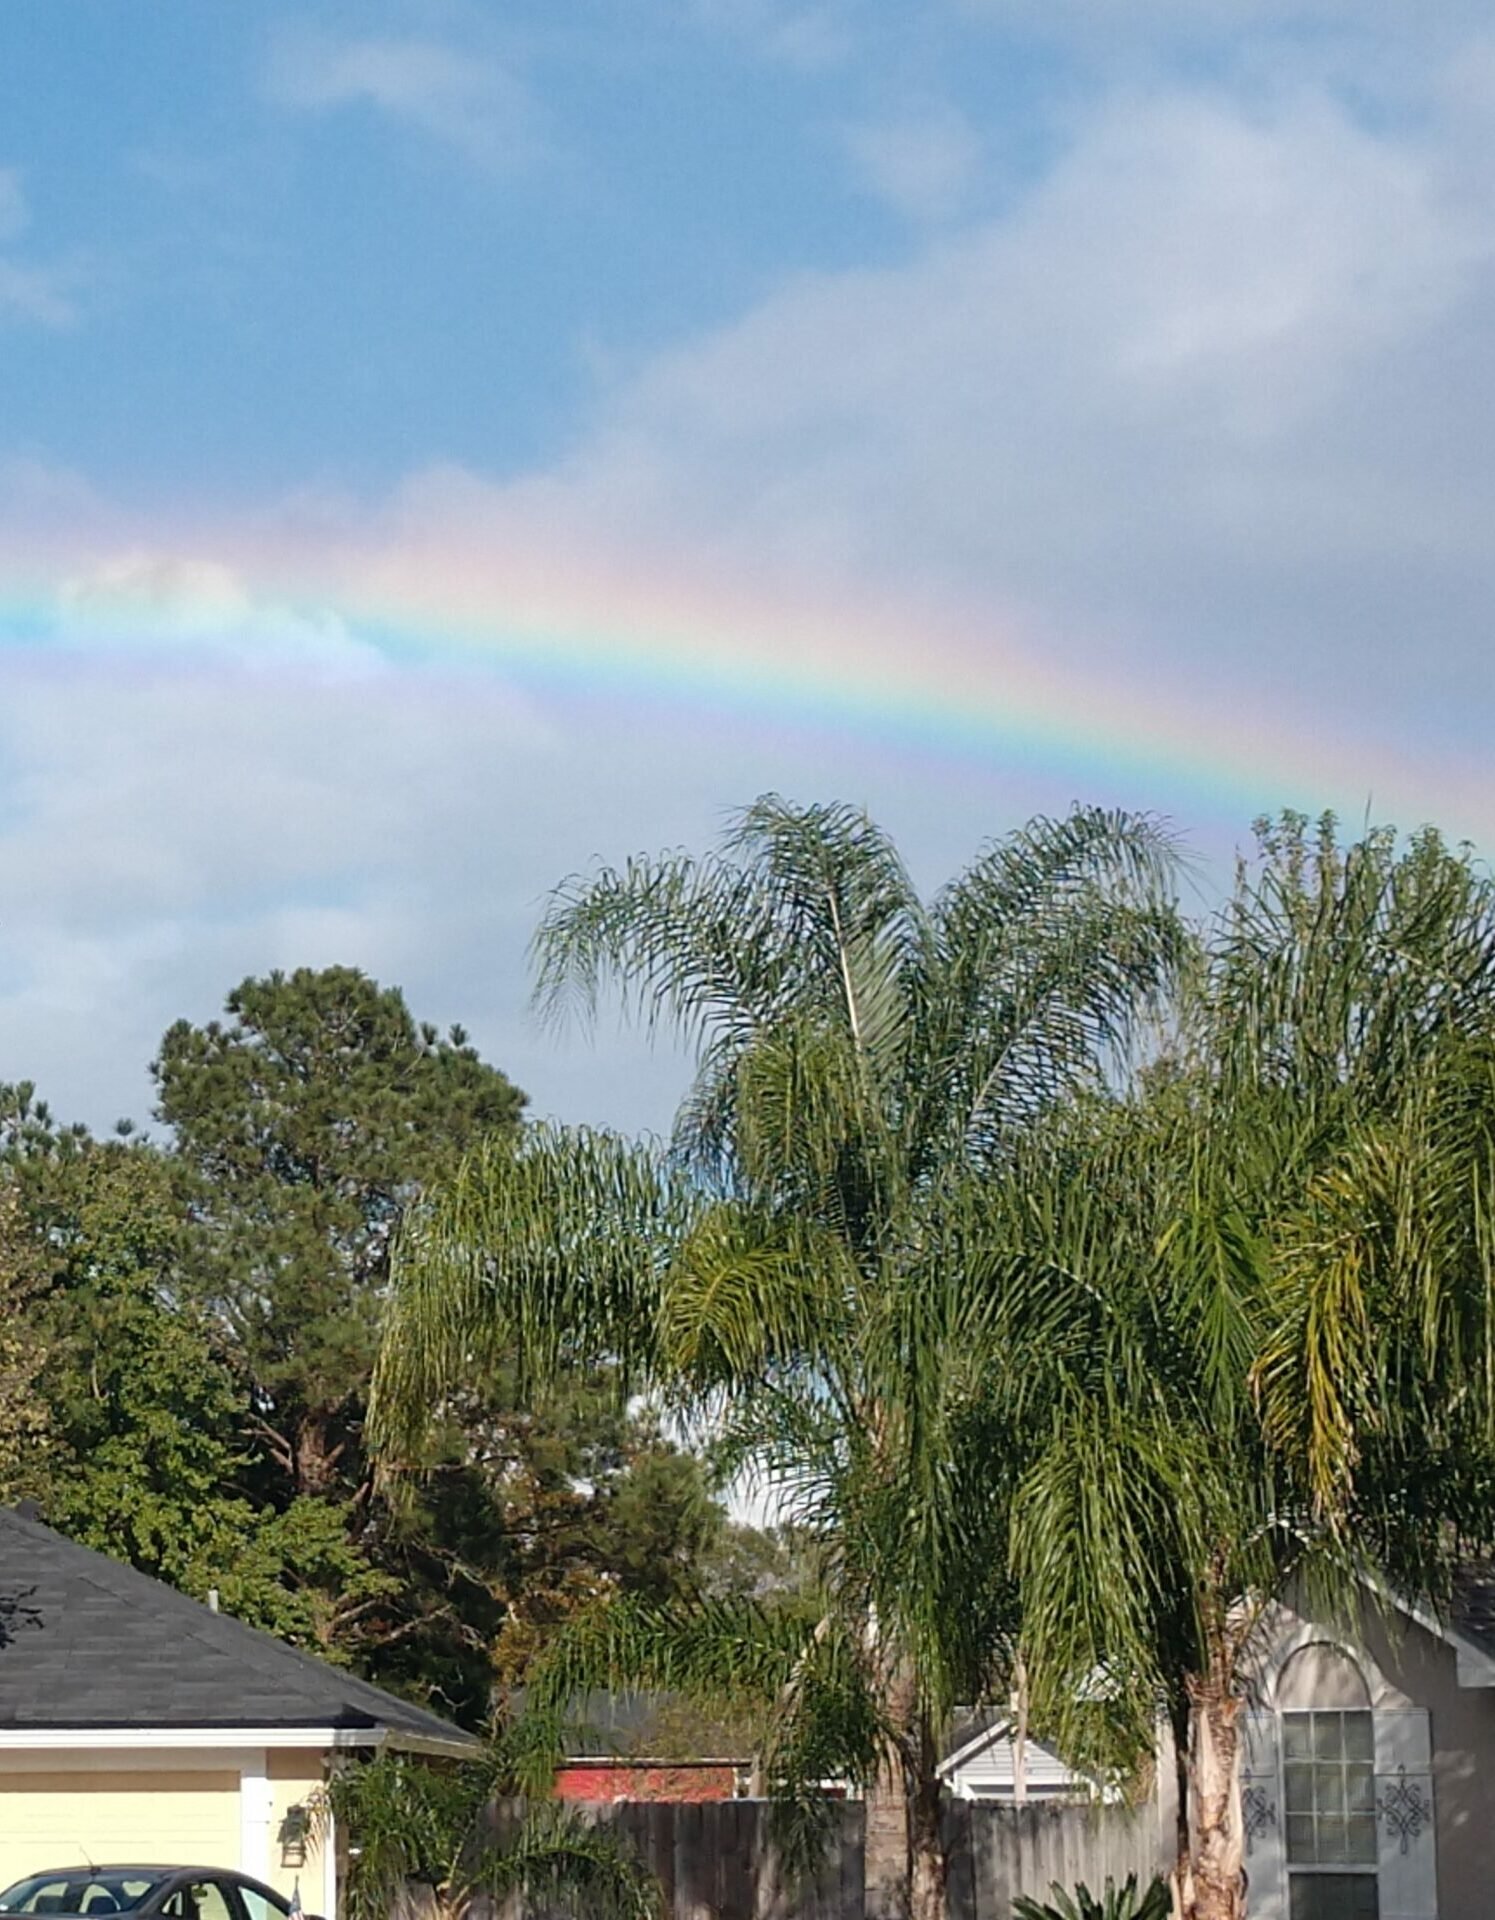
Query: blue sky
{"type": "Point", "coordinates": [1138, 359]}
{"type": "Point", "coordinates": [342, 240]}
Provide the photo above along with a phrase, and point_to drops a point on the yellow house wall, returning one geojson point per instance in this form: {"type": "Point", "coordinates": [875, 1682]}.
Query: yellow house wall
{"type": "Point", "coordinates": [295, 1776]}
{"type": "Point", "coordinates": [59, 1817]}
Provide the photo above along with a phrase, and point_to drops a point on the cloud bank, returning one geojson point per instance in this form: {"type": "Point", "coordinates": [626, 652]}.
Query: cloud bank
{"type": "Point", "coordinates": [1204, 415]}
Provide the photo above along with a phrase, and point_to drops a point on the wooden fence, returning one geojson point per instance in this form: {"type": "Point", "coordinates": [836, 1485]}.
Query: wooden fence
{"type": "Point", "coordinates": [714, 1861]}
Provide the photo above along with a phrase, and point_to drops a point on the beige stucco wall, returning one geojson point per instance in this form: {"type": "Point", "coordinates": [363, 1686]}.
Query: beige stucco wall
{"type": "Point", "coordinates": [1463, 1734]}
{"type": "Point", "coordinates": [54, 1816]}
{"type": "Point", "coordinates": [295, 1776]}
{"type": "Point", "coordinates": [1407, 1665]}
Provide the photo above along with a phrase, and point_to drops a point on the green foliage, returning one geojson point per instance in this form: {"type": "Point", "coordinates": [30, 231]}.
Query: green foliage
{"type": "Point", "coordinates": [1114, 1903]}
{"type": "Point", "coordinates": [410, 1820]}
{"type": "Point", "coordinates": [144, 1414]}
{"type": "Point", "coordinates": [303, 1124]}
{"type": "Point", "coordinates": [135, 1409]}
{"type": "Point", "coordinates": [26, 1436]}
{"type": "Point", "coordinates": [1253, 1349]}
{"type": "Point", "coordinates": [806, 1275]}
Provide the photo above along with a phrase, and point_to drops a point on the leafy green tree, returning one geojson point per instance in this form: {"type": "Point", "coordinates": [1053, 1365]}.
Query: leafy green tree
{"type": "Point", "coordinates": [809, 1273]}
{"type": "Point", "coordinates": [25, 1422]}
{"type": "Point", "coordinates": [519, 1519]}
{"type": "Point", "coordinates": [304, 1123]}
{"type": "Point", "coordinates": [144, 1454]}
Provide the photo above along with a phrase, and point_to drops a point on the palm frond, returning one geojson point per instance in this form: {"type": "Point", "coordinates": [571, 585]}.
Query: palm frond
{"type": "Point", "coordinates": [561, 1862]}
{"type": "Point", "coordinates": [545, 1258]}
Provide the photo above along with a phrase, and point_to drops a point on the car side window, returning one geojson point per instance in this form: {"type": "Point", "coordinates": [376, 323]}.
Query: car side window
{"type": "Point", "coordinates": [48, 1898]}
{"type": "Point", "coordinates": [199, 1900]}
{"type": "Point", "coordinates": [259, 1906]}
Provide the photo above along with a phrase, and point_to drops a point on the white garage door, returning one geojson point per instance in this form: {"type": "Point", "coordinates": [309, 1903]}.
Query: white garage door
{"type": "Point", "coordinates": [69, 1819]}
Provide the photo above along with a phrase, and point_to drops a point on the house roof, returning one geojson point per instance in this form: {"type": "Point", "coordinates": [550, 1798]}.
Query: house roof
{"type": "Point", "coordinates": [88, 1643]}
{"type": "Point", "coordinates": [980, 1747]}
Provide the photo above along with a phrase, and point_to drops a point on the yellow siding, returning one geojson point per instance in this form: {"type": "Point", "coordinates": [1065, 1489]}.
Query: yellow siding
{"type": "Point", "coordinates": [68, 1818]}
{"type": "Point", "coordinates": [295, 1776]}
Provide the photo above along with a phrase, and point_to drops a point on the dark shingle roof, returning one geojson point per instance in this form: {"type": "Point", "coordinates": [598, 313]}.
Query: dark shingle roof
{"type": "Point", "coordinates": [87, 1642]}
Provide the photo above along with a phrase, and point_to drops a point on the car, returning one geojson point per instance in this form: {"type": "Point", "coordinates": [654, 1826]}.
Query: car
{"type": "Point", "coordinates": [172, 1893]}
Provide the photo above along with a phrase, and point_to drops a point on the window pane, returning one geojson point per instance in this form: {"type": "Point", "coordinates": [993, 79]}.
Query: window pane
{"type": "Point", "coordinates": [1362, 1839]}
{"type": "Point", "coordinates": [1334, 1846]}
{"type": "Point", "coordinates": [1328, 1743]}
{"type": "Point", "coordinates": [1333, 1896]}
{"type": "Point", "coordinates": [1328, 1789]}
{"type": "Point", "coordinates": [1360, 1787]}
{"type": "Point", "coordinates": [1300, 1846]}
{"type": "Point", "coordinates": [1297, 1783]}
{"type": "Point", "coordinates": [259, 1908]}
{"type": "Point", "coordinates": [1359, 1736]}
{"type": "Point", "coordinates": [206, 1901]}
{"type": "Point", "coordinates": [1297, 1735]}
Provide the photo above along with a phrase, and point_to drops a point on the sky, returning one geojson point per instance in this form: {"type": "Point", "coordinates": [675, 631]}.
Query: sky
{"type": "Point", "coordinates": [445, 443]}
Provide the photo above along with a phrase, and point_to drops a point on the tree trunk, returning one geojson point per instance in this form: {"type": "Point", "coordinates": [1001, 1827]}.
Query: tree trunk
{"type": "Point", "coordinates": [888, 1839]}
{"type": "Point", "coordinates": [1182, 1877]}
{"type": "Point", "coordinates": [929, 1869]}
{"type": "Point", "coordinates": [886, 1857]}
{"type": "Point", "coordinates": [1218, 1852]}
{"type": "Point", "coordinates": [316, 1458]}
{"type": "Point", "coordinates": [1020, 1734]}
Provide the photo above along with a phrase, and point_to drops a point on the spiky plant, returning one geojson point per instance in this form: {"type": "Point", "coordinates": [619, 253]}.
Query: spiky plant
{"type": "Point", "coordinates": [409, 1822]}
{"type": "Point", "coordinates": [1113, 1902]}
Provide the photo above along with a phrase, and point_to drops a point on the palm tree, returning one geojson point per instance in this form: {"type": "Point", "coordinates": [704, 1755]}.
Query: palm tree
{"type": "Point", "coordinates": [1258, 1345]}
{"type": "Point", "coordinates": [808, 1272]}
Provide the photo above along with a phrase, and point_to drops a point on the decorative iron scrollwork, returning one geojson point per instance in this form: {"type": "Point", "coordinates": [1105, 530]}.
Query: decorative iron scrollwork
{"type": "Point", "coordinates": [1405, 1809]}
{"type": "Point", "coordinates": [1258, 1812]}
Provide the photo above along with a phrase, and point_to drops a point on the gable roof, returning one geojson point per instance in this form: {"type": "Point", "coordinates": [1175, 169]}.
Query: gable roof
{"type": "Point", "coordinates": [87, 1642]}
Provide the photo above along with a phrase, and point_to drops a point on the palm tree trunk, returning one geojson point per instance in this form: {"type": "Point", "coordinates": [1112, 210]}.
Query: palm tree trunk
{"type": "Point", "coordinates": [888, 1838]}
{"type": "Point", "coordinates": [885, 1872]}
{"type": "Point", "coordinates": [1182, 1879]}
{"type": "Point", "coordinates": [907, 1871]}
{"type": "Point", "coordinates": [929, 1867]}
{"type": "Point", "coordinates": [1218, 1852]}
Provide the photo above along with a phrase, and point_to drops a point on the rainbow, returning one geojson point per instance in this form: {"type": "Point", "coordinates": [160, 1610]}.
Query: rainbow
{"type": "Point", "coordinates": [652, 630]}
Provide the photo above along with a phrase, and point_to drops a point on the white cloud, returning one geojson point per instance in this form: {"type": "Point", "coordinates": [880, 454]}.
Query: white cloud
{"type": "Point", "coordinates": [808, 37]}
{"type": "Point", "coordinates": [165, 604]}
{"type": "Point", "coordinates": [1213, 386]}
{"type": "Point", "coordinates": [923, 162]}
{"type": "Point", "coordinates": [462, 98]}
{"type": "Point", "coordinates": [15, 214]}
{"type": "Point", "coordinates": [42, 295]}
{"type": "Point", "coordinates": [170, 823]}
{"type": "Point", "coordinates": [1203, 418]}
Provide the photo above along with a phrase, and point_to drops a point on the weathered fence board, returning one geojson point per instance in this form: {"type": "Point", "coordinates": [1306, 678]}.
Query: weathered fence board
{"type": "Point", "coordinates": [715, 1860]}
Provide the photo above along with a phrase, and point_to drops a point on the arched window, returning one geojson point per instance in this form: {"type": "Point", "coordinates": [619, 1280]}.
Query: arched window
{"type": "Point", "coordinates": [1328, 1747]}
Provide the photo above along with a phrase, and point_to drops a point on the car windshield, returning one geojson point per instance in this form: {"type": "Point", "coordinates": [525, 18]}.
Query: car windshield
{"type": "Point", "coordinates": [81, 1891]}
